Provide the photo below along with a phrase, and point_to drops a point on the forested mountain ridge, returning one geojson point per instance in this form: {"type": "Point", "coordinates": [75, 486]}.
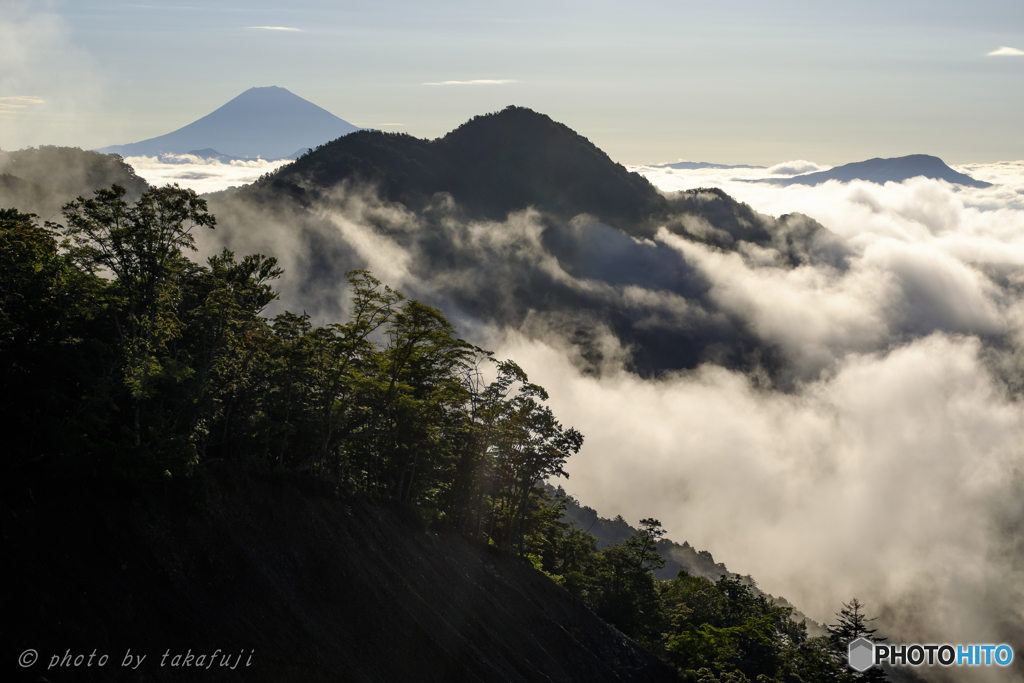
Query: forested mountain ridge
{"type": "Point", "coordinates": [617, 530]}
{"type": "Point", "coordinates": [677, 557]}
{"type": "Point", "coordinates": [507, 161]}
{"type": "Point", "coordinates": [491, 165]}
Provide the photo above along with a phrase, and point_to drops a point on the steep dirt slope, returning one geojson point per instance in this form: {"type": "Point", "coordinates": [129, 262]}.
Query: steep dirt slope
{"type": "Point", "coordinates": [312, 587]}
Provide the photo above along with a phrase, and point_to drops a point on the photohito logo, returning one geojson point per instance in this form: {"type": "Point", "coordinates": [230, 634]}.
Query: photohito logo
{"type": "Point", "coordinates": [863, 654]}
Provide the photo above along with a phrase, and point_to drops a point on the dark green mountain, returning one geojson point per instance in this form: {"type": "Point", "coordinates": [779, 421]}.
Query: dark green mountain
{"type": "Point", "coordinates": [491, 165]}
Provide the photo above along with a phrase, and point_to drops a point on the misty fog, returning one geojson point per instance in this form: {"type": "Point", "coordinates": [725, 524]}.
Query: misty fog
{"type": "Point", "coordinates": [849, 429]}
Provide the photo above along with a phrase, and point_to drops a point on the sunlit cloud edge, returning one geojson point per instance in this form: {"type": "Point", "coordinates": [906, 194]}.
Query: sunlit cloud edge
{"type": "Point", "coordinates": [1005, 51]}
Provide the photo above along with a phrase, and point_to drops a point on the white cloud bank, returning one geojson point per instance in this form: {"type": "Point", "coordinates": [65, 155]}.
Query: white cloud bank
{"type": "Point", "coordinates": [882, 480]}
{"type": "Point", "coordinates": [897, 475]}
{"type": "Point", "coordinates": [199, 174]}
{"type": "Point", "coordinates": [795, 167]}
{"type": "Point", "coordinates": [893, 471]}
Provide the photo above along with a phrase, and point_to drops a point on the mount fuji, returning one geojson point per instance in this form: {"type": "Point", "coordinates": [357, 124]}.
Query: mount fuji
{"type": "Point", "coordinates": [271, 123]}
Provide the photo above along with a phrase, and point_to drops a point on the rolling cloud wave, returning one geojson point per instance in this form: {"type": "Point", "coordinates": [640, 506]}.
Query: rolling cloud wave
{"type": "Point", "coordinates": [867, 444]}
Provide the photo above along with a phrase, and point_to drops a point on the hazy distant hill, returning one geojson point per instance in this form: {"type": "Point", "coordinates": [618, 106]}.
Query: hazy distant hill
{"type": "Point", "coordinates": [677, 556]}
{"type": "Point", "coordinates": [611, 532]}
{"type": "Point", "coordinates": [882, 171]}
{"type": "Point", "coordinates": [271, 123]}
{"type": "Point", "coordinates": [41, 180]}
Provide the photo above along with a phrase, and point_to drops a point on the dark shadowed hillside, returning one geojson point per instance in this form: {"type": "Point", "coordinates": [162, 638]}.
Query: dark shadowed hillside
{"type": "Point", "coordinates": [491, 165]}
{"type": "Point", "coordinates": [316, 588]}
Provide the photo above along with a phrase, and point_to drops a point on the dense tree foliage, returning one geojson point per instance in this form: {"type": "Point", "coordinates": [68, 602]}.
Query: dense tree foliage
{"type": "Point", "coordinates": [123, 357]}
{"type": "Point", "coordinates": [120, 357]}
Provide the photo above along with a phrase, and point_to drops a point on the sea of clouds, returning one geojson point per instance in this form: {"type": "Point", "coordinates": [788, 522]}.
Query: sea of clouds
{"type": "Point", "coordinates": [201, 174]}
{"type": "Point", "coordinates": [891, 469]}
{"type": "Point", "coordinates": [897, 474]}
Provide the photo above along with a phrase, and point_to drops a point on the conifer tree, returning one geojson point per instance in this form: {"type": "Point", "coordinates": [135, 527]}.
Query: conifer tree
{"type": "Point", "coordinates": [853, 624]}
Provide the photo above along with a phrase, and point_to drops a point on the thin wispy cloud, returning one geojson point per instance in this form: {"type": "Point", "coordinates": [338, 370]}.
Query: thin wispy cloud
{"type": "Point", "coordinates": [275, 28]}
{"type": "Point", "coordinates": [371, 125]}
{"type": "Point", "coordinates": [1006, 52]}
{"type": "Point", "coordinates": [15, 103]}
{"type": "Point", "coordinates": [481, 81]}
{"type": "Point", "coordinates": [166, 7]}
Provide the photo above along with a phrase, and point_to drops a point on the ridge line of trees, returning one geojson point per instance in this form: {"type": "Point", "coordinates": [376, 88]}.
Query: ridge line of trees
{"type": "Point", "coordinates": [124, 357]}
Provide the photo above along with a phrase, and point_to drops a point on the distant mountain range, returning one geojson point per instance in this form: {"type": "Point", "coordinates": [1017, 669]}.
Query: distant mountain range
{"type": "Point", "coordinates": [882, 171]}
{"type": "Point", "coordinates": [695, 165]}
{"type": "Point", "coordinates": [271, 123]}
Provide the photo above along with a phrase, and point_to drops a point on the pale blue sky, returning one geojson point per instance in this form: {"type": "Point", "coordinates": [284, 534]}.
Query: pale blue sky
{"type": "Point", "coordinates": [736, 81]}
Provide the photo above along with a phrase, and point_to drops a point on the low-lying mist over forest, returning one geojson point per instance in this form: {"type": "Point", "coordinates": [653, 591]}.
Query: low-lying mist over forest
{"type": "Point", "coordinates": [835, 411]}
